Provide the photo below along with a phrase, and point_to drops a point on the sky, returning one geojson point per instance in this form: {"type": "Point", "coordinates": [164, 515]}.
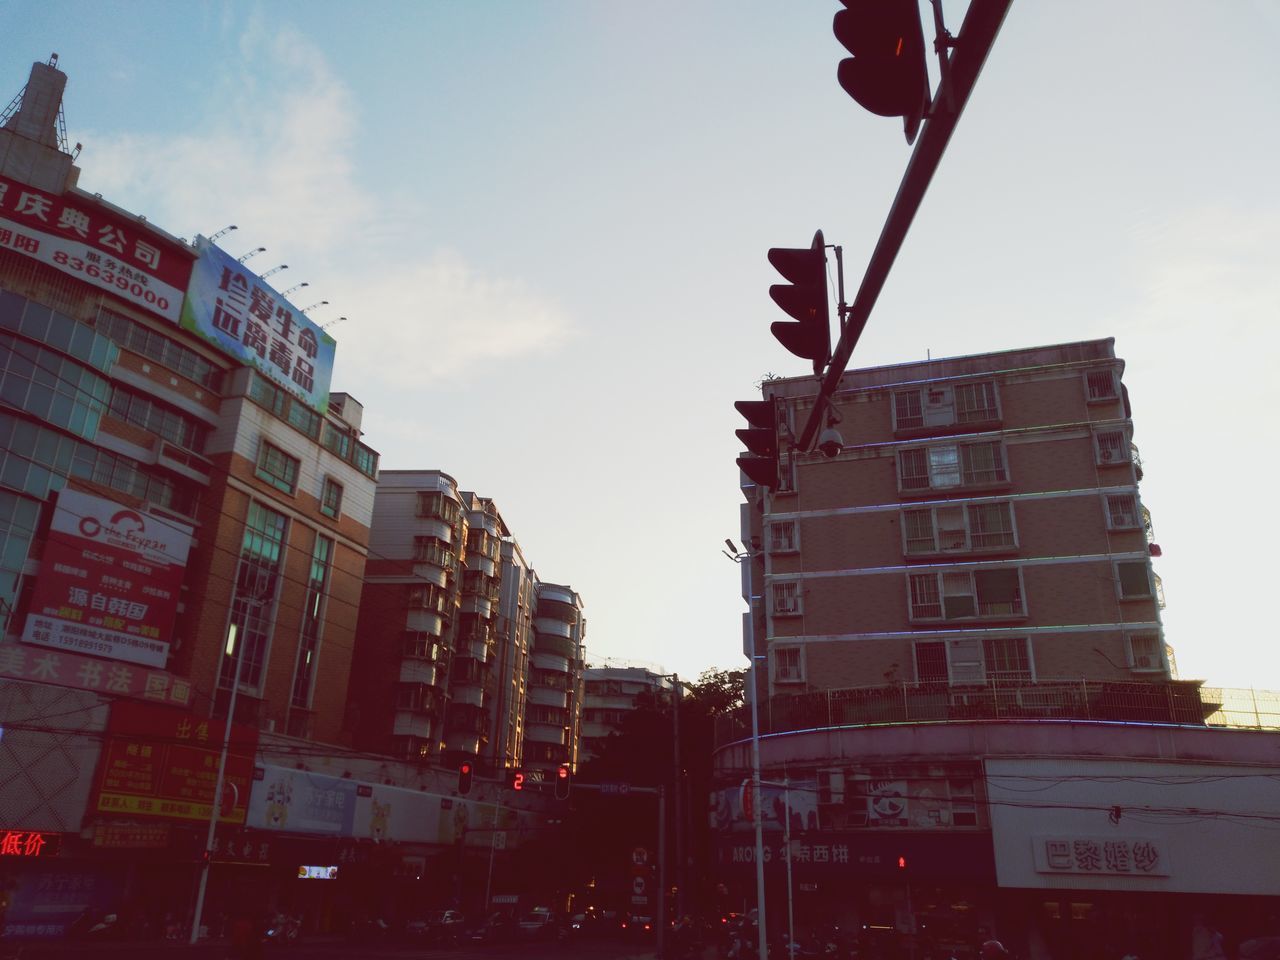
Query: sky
{"type": "Point", "coordinates": [546, 224]}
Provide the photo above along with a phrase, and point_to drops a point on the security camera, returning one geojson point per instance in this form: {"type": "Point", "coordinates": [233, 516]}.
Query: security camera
{"type": "Point", "coordinates": [830, 443]}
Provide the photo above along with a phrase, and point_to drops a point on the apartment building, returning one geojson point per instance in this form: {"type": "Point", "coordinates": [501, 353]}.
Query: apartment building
{"type": "Point", "coordinates": [968, 724]}
{"type": "Point", "coordinates": [612, 692]}
{"type": "Point", "coordinates": [463, 652]}
{"type": "Point", "coordinates": [178, 484]}
{"type": "Point", "coordinates": [982, 523]}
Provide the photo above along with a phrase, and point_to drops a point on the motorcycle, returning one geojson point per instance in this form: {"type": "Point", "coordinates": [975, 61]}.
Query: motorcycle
{"type": "Point", "coordinates": [283, 929]}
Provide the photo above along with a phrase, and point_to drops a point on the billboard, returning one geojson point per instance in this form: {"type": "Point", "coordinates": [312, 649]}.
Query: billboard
{"type": "Point", "coordinates": [109, 581]}
{"type": "Point", "coordinates": [114, 252]}
{"type": "Point", "coordinates": [234, 309]}
{"type": "Point", "coordinates": [162, 762]}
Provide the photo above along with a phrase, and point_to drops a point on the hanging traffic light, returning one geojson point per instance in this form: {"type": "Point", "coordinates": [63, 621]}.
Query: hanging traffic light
{"type": "Point", "coordinates": [563, 776]}
{"type": "Point", "coordinates": [887, 73]}
{"type": "Point", "coordinates": [761, 439]}
{"type": "Point", "coordinates": [466, 770]}
{"type": "Point", "coordinates": [808, 333]}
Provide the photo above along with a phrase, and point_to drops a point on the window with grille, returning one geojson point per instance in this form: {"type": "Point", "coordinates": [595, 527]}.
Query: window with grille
{"type": "Point", "coordinates": [1112, 446]}
{"type": "Point", "coordinates": [931, 662]}
{"type": "Point", "coordinates": [786, 598]}
{"type": "Point", "coordinates": [966, 594]}
{"type": "Point", "coordinates": [1100, 386]}
{"type": "Point", "coordinates": [1144, 651]}
{"type": "Point", "coordinates": [277, 468]}
{"type": "Point", "coordinates": [944, 466]}
{"type": "Point", "coordinates": [976, 402]}
{"type": "Point", "coordinates": [1122, 511]}
{"type": "Point", "coordinates": [944, 405]}
{"type": "Point", "coordinates": [958, 529]}
{"type": "Point", "coordinates": [783, 536]}
{"type": "Point", "coordinates": [788, 665]}
{"type": "Point", "coordinates": [1133, 578]}
{"type": "Point", "coordinates": [1007, 658]}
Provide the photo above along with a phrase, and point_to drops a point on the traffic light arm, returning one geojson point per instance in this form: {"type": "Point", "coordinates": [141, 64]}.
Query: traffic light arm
{"type": "Point", "coordinates": [978, 33]}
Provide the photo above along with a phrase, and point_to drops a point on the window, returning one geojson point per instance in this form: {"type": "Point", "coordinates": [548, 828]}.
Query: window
{"type": "Point", "coordinates": [331, 498]}
{"type": "Point", "coordinates": [277, 468]}
{"type": "Point", "coordinates": [304, 670]}
{"type": "Point", "coordinates": [1100, 386]}
{"type": "Point", "coordinates": [1112, 446]}
{"type": "Point", "coordinates": [958, 529]}
{"type": "Point", "coordinates": [965, 594]}
{"type": "Point", "coordinates": [788, 664]}
{"type": "Point", "coordinates": [971, 660]}
{"type": "Point", "coordinates": [964, 808]}
{"type": "Point", "coordinates": [945, 466]}
{"type": "Point", "coordinates": [253, 603]}
{"type": "Point", "coordinates": [786, 473]}
{"type": "Point", "coordinates": [1144, 651]}
{"type": "Point", "coordinates": [786, 598]}
{"type": "Point", "coordinates": [944, 405]}
{"type": "Point", "coordinates": [435, 551]}
{"type": "Point", "coordinates": [1133, 578]}
{"type": "Point", "coordinates": [1007, 658]}
{"type": "Point", "coordinates": [783, 537]}
{"type": "Point", "coordinates": [1122, 511]}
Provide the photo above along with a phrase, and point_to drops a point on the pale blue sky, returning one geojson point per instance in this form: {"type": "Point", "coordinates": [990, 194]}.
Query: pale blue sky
{"type": "Point", "coordinates": [547, 225]}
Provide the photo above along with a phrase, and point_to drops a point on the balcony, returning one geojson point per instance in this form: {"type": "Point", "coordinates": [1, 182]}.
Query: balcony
{"type": "Point", "coordinates": [1173, 701]}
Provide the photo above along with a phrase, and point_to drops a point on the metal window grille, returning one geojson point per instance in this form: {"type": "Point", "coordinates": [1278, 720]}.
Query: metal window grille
{"type": "Point", "coordinates": [926, 602]}
{"type": "Point", "coordinates": [907, 412]}
{"type": "Point", "coordinates": [783, 536]}
{"type": "Point", "coordinates": [1122, 510]}
{"type": "Point", "coordinates": [1101, 385]}
{"type": "Point", "coordinates": [983, 463]}
{"type": "Point", "coordinates": [786, 597]}
{"type": "Point", "coordinates": [917, 526]}
{"type": "Point", "coordinates": [913, 469]}
{"type": "Point", "coordinates": [1113, 446]}
{"type": "Point", "coordinates": [976, 402]}
{"type": "Point", "coordinates": [787, 664]}
{"type": "Point", "coordinates": [991, 524]}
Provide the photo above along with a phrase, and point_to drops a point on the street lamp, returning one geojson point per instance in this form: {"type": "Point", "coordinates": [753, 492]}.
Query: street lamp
{"type": "Point", "coordinates": [743, 557]}
{"type": "Point", "coordinates": [217, 790]}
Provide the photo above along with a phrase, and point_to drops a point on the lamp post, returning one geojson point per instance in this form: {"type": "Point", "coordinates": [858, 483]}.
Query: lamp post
{"type": "Point", "coordinates": [217, 790]}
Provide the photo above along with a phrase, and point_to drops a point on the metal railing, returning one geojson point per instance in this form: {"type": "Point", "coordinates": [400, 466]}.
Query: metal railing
{"type": "Point", "coordinates": [1170, 701]}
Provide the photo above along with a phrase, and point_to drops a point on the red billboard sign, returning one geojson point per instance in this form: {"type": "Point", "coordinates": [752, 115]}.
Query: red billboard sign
{"type": "Point", "coordinates": [79, 236]}
{"type": "Point", "coordinates": [109, 581]}
{"type": "Point", "coordinates": [161, 762]}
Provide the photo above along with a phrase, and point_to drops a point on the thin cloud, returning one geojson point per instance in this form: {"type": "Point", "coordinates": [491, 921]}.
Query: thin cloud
{"type": "Point", "coordinates": [274, 152]}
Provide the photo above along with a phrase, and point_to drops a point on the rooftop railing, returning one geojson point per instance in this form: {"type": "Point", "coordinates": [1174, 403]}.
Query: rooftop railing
{"type": "Point", "coordinates": [1170, 701]}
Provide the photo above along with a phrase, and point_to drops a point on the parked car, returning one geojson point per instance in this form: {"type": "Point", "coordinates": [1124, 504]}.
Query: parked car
{"type": "Point", "coordinates": [447, 926]}
{"type": "Point", "coordinates": [539, 924]}
{"type": "Point", "coordinates": [638, 925]}
{"type": "Point", "coordinates": [495, 928]}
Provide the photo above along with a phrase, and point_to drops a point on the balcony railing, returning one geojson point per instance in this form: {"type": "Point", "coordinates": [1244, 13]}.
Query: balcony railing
{"type": "Point", "coordinates": [1173, 701]}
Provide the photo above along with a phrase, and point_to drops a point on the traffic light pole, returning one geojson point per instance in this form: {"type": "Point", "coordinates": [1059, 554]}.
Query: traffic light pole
{"type": "Point", "coordinates": [977, 34]}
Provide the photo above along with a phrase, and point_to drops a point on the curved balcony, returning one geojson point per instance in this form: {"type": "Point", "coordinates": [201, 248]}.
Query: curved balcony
{"type": "Point", "coordinates": [553, 628]}
{"type": "Point", "coordinates": [408, 723]}
{"type": "Point", "coordinates": [555, 646]}
{"type": "Point", "coordinates": [471, 694]}
{"type": "Point", "coordinates": [1127, 701]}
{"type": "Point", "coordinates": [551, 608]}
{"type": "Point", "coordinates": [545, 733]}
{"type": "Point", "coordinates": [550, 663]}
{"type": "Point", "coordinates": [424, 621]}
{"type": "Point", "coordinates": [548, 696]}
{"type": "Point", "coordinates": [431, 574]}
{"type": "Point", "coordinates": [413, 670]}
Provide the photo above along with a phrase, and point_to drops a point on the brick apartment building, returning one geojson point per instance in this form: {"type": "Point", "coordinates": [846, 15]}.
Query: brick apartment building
{"type": "Point", "coordinates": [982, 523]}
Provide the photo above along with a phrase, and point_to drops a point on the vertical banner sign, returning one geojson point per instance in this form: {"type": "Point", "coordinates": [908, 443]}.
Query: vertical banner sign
{"type": "Point", "coordinates": [109, 581]}
{"type": "Point", "coordinates": [76, 235]}
{"type": "Point", "coordinates": [233, 308]}
{"type": "Point", "coordinates": [162, 762]}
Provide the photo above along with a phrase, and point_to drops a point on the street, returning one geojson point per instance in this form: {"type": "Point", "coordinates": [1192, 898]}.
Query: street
{"type": "Point", "coordinates": [333, 947]}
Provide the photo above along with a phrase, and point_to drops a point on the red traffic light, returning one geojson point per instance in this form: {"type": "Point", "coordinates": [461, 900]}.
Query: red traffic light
{"type": "Point", "coordinates": [902, 863]}
{"type": "Point", "coordinates": [465, 772]}
{"type": "Point", "coordinates": [563, 776]}
{"type": "Point", "coordinates": [887, 73]}
{"type": "Point", "coordinates": [804, 298]}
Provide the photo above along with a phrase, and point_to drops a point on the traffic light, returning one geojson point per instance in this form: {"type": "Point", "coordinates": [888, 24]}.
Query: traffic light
{"type": "Point", "coordinates": [887, 73]}
{"type": "Point", "coordinates": [808, 334]}
{"type": "Point", "coordinates": [563, 777]}
{"type": "Point", "coordinates": [761, 439]}
{"type": "Point", "coordinates": [466, 770]}
{"type": "Point", "coordinates": [515, 778]}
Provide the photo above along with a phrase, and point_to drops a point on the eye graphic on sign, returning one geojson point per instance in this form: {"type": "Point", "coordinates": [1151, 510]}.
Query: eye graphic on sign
{"type": "Point", "coordinates": [130, 515]}
{"type": "Point", "coordinates": [90, 526]}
